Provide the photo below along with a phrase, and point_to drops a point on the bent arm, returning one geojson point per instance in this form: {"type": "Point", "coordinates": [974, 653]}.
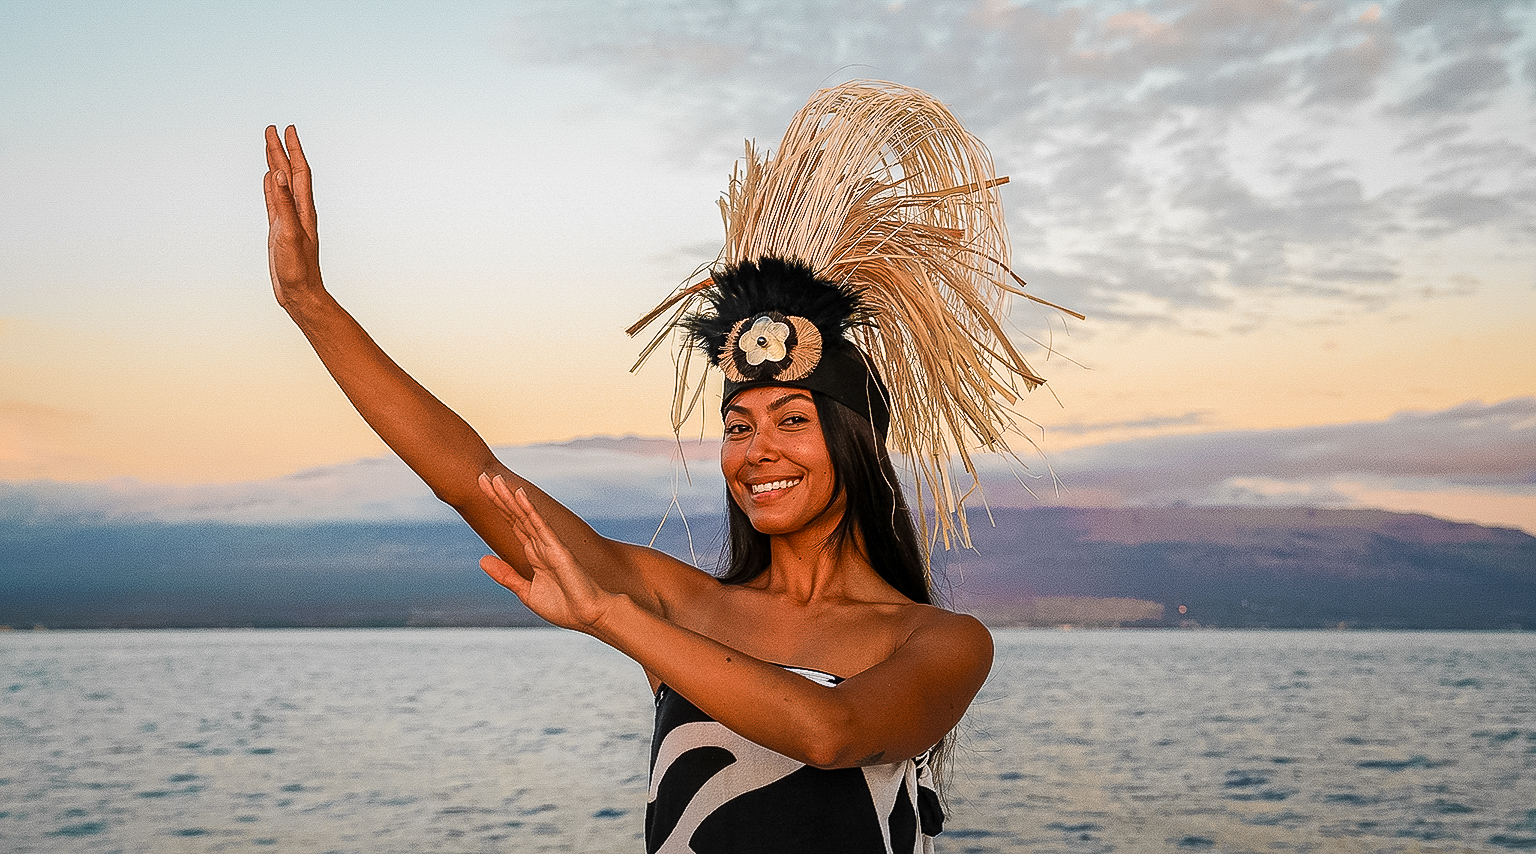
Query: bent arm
{"type": "Point", "coordinates": [890, 712]}
{"type": "Point", "coordinates": [438, 445]}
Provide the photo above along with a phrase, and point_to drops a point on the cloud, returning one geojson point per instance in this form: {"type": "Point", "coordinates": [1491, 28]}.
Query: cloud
{"type": "Point", "coordinates": [1460, 87]}
{"type": "Point", "coordinates": [1456, 26]}
{"type": "Point", "coordinates": [1473, 454]}
{"type": "Point", "coordinates": [1472, 449]}
{"type": "Point", "coordinates": [1350, 73]}
{"type": "Point", "coordinates": [1153, 423]}
{"type": "Point", "coordinates": [1461, 209]}
{"type": "Point", "coordinates": [624, 478]}
{"type": "Point", "coordinates": [1166, 156]}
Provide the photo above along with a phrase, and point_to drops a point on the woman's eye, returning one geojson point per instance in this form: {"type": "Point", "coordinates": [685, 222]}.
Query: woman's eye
{"type": "Point", "coordinates": [735, 429]}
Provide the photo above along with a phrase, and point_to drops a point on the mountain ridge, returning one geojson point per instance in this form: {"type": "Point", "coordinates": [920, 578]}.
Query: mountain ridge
{"type": "Point", "coordinates": [1226, 566]}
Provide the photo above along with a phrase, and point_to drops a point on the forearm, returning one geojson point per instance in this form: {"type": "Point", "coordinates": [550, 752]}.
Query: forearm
{"type": "Point", "coordinates": [431, 438]}
{"type": "Point", "coordinates": [760, 701]}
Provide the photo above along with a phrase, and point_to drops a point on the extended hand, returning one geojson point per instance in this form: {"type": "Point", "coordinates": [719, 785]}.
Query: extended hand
{"type": "Point", "coordinates": [560, 590]}
{"type": "Point", "coordinates": [293, 243]}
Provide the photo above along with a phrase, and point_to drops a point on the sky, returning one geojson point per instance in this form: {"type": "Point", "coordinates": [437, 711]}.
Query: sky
{"type": "Point", "coordinates": [1304, 235]}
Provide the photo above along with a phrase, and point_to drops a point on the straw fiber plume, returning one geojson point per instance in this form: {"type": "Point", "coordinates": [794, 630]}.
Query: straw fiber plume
{"type": "Point", "coordinates": [878, 189]}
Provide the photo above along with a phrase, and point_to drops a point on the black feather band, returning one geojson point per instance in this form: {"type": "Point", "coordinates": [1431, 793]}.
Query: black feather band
{"type": "Point", "coordinates": [772, 322]}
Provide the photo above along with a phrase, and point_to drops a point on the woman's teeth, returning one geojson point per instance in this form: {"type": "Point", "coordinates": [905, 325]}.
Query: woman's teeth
{"type": "Point", "coordinates": [760, 488]}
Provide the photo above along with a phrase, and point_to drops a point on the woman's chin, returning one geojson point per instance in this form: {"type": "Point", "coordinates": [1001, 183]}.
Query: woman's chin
{"type": "Point", "coordinates": [774, 527]}
{"type": "Point", "coordinates": [783, 524]}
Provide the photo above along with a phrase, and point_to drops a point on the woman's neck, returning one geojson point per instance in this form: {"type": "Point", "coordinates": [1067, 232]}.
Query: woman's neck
{"type": "Point", "coordinates": [814, 564]}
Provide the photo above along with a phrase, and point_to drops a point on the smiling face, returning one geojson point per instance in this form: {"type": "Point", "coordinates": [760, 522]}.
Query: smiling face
{"type": "Point", "coordinates": [776, 464]}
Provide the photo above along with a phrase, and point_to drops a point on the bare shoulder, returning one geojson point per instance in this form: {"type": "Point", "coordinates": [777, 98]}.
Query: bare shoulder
{"type": "Point", "coordinates": [932, 676]}
{"type": "Point", "coordinates": [949, 639]}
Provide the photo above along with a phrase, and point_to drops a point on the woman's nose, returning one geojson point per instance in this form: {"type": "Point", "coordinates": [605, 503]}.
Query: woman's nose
{"type": "Point", "coordinates": [764, 447]}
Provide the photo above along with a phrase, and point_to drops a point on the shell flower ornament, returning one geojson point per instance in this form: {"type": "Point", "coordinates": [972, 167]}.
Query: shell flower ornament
{"type": "Point", "coordinates": [770, 346]}
{"type": "Point", "coordinates": [764, 341]}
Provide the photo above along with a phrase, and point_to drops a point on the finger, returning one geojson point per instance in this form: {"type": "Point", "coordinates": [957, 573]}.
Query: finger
{"type": "Point", "coordinates": [501, 494]}
{"type": "Point", "coordinates": [269, 190]}
{"type": "Point", "coordinates": [535, 556]}
{"type": "Point", "coordinates": [520, 515]}
{"type": "Point", "coordinates": [506, 502]}
{"type": "Point", "coordinates": [488, 489]}
{"type": "Point", "coordinates": [277, 159]}
{"type": "Point", "coordinates": [543, 548]}
{"type": "Point", "coordinates": [535, 521]}
{"type": "Point", "coordinates": [280, 213]}
{"type": "Point", "coordinates": [535, 549]}
{"type": "Point", "coordinates": [504, 574]}
{"type": "Point", "coordinates": [526, 521]}
{"type": "Point", "coordinates": [303, 189]}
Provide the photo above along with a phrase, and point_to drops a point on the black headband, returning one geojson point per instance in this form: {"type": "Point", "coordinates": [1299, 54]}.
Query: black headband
{"type": "Point", "coordinates": [773, 322]}
{"type": "Point", "coordinates": [842, 373]}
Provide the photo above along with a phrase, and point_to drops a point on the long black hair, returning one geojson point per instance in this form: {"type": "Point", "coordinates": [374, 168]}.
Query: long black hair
{"type": "Point", "coordinates": [875, 514]}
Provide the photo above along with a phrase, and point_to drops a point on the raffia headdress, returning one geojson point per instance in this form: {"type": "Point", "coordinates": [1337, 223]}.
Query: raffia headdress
{"type": "Point", "coordinates": [871, 246]}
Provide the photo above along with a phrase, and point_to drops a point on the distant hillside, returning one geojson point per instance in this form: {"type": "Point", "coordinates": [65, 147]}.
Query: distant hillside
{"type": "Point", "coordinates": [201, 575]}
{"type": "Point", "coordinates": [1255, 567]}
{"type": "Point", "coordinates": [1044, 566]}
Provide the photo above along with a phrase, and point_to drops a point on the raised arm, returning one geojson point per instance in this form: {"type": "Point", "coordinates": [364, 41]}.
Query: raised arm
{"type": "Point", "coordinates": [433, 440]}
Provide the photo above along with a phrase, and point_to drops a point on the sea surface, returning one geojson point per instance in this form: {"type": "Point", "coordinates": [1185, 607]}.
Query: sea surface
{"type": "Point", "coordinates": [531, 740]}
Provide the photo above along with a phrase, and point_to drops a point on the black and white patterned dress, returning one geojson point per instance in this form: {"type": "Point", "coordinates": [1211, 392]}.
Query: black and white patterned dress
{"type": "Point", "coordinates": [714, 792]}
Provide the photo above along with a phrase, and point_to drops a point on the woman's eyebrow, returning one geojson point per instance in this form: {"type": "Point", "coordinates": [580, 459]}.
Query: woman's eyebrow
{"type": "Point", "coordinates": [776, 405]}
{"type": "Point", "coordinates": [785, 400]}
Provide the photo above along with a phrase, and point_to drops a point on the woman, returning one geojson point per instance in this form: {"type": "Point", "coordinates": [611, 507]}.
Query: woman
{"type": "Point", "coordinates": [799, 694]}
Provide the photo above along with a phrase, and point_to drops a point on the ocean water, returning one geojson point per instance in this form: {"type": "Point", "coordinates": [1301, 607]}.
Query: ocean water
{"type": "Point", "coordinates": [520, 740]}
